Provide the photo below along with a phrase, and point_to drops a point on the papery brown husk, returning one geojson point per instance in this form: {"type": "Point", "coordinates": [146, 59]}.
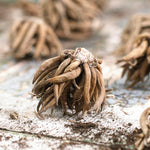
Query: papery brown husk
{"type": "Point", "coordinates": [67, 81]}
{"type": "Point", "coordinates": [73, 19]}
{"type": "Point", "coordinates": [33, 38]}
{"type": "Point", "coordinates": [136, 64]}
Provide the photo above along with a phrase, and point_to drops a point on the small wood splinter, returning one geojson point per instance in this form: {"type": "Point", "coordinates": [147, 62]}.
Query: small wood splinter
{"type": "Point", "coordinates": [73, 80]}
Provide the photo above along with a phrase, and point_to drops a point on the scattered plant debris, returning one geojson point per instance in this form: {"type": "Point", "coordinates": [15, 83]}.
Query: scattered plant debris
{"type": "Point", "coordinates": [32, 37]}
{"type": "Point", "coordinates": [14, 115]}
{"type": "Point", "coordinates": [136, 40]}
{"type": "Point", "coordinates": [80, 127]}
{"type": "Point", "coordinates": [74, 79]}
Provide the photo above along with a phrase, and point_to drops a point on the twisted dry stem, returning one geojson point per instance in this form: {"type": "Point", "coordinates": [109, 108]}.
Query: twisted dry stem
{"type": "Point", "coordinates": [32, 37]}
{"type": "Point", "coordinates": [76, 82]}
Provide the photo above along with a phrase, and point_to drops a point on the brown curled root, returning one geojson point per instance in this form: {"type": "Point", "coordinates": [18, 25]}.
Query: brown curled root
{"type": "Point", "coordinates": [33, 38]}
{"type": "Point", "coordinates": [143, 139]}
{"type": "Point", "coordinates": [73, 80]}
{"type": "Point", "coordinates": [30, 8]}
{"type": "Point", "coordinates": [136, 64]}
{"type": "Point", "coordinates": [73, 19]}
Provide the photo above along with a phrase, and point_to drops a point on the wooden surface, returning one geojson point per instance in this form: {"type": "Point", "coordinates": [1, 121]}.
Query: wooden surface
{"type": "Point", "coordinates": [113, 127]}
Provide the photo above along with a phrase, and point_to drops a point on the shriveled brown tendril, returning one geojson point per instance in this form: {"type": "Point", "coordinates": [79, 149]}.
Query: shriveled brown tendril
{"type": "Point", "coordinates": [76, 83]}
{"type": "Point", "coordinates": [32, 37]}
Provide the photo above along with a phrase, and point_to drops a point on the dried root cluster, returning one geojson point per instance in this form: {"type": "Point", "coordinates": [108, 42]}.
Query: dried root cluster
{"type": "Point", "coordinates": [137, 62]}
{"type": "Point", "coordinates": [143, 139]}
{"type": "Point", "coordinates": [74, 80]}
{"type": "Point", "coordinates": [73, 19]}
{"type": "Point", "coordinates": [30, 8]}
{"type": "Point", "coordinates": [31, 37]}
{"type": "Point", "coordinates": [138, 24]}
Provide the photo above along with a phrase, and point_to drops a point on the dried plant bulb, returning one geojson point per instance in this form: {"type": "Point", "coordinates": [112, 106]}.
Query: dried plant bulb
{"type": "Point", "coordinates": [32, 37]}
{"type": "Point", "coordinates": [143, 139]}
{"type": "Point", "coordinates": [137, 62]}
{"type": "Point", "coordinates": [72, 19]}
{"type": "Point", "coordinates": [30, 8]}
{"type": "Point", "coordinates": [74, 80]}
{"type": "Point", "coordinates": [137, 25]}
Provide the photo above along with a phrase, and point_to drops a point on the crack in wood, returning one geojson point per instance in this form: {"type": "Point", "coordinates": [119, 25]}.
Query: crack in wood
{"type": "Point", "coordinates": [38, 135]}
